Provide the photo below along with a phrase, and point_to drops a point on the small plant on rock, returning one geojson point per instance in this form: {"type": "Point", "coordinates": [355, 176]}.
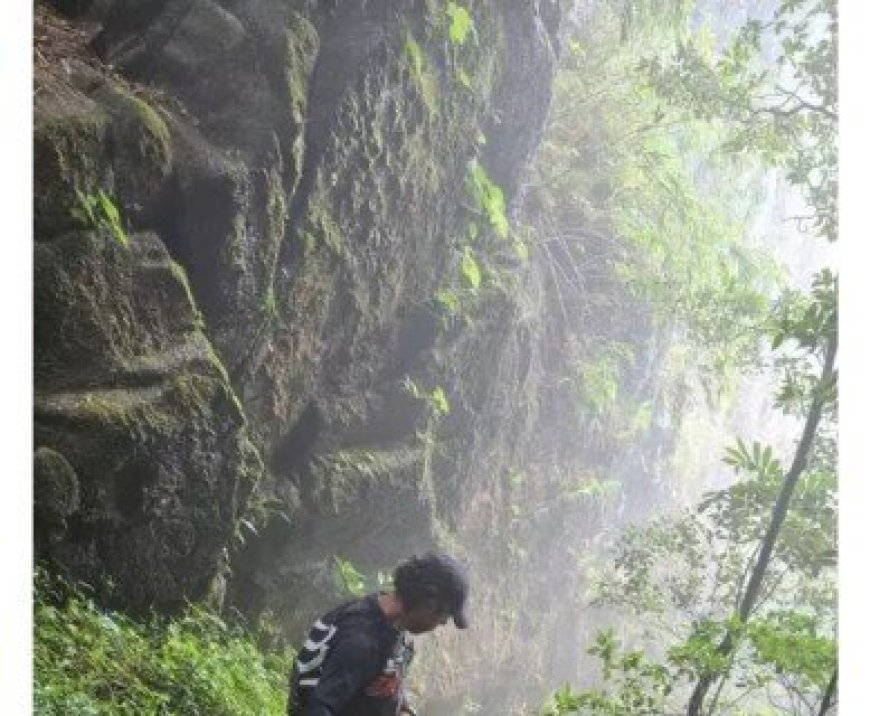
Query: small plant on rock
{"type": "Point", "coordinates": [98, 211]}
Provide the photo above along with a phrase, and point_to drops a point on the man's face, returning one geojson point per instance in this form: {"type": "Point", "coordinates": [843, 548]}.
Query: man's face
{"type": "Point", "coordinates": [424, 619]}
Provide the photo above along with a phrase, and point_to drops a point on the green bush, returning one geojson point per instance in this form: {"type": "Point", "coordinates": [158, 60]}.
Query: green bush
{"type": "Point", "coordinates": [91, 661]}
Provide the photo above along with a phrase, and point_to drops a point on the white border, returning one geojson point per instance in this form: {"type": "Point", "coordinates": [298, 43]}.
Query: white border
{"type": "Point", "coordinates": [17, 350]}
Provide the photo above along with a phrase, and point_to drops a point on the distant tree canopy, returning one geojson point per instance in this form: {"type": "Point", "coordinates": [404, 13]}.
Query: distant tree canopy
{"type": "Point", "coordinates": [639, 201]}
{"type": "Point", "coordinates": [784, 109]}
{"type": "Point", "coordinates": [737, 596]}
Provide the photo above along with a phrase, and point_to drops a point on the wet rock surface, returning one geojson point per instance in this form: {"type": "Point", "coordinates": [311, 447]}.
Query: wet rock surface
{"type": "Point", "coordinates": [268, 343]}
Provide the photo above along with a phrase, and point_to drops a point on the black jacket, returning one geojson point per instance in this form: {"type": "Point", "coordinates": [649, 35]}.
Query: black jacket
{"type": "Point", "coordinates": [353, 663]}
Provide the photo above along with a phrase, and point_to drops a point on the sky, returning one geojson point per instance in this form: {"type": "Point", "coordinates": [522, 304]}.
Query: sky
{"type": "Point", "coordinates": [16, 372]}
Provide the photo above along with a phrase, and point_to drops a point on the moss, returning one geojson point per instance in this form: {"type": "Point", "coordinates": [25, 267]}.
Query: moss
{"type": "Point", "coordinates": [325, 228]}
{"type": "Point", "coordinates": [276, 215]}
{"type": "Point", "coordinates": [154, 140]}
{"type": "Point", "coordinates": [139, 125]}
{"type": "Point", "coordinates": [216, 362]}
{"type": "Point", "coordinates": [276, 207]}
{"type": "Point", "coordinates": [68, 156]}
{"type": "Point", "coordinates": [180, 275]}
{"type": "Point", "coordinates": [55, 484]}
{"type": "Point", "coordinates": [234, 249]}
{"type": "Point", "coordinates": [348, 474]}
{"type": "Point", "coordinates": [422, 72]}
{"type": "Point", "coordinates": [193, 391]}
{"type": "Point", "coordinates": [160, 410]}
{"type": "Point", "coordinates": [116, 409]}
{"type": "Point", "coordinates": [143, 148]}
{"type": "Point", "coordinates": [270, 304]}
{"type": "Point", "coordinates": [302, 46]}
{"type": "Point", "coordinates": [201, 394]}
{"type": "Point", "coordinates": [309, 243]}
{"type": "Point", "coordinates": [111, 140]}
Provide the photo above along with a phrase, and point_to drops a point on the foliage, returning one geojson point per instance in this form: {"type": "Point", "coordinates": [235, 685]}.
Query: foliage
{"type": "Point", "coordinates": [634, 685]}
{"type": "Point", "coordinates": [810, 321]}
{"type": "Point", "coordinates": [489, 198]}
{"type": "Point", "coordinates": [786, 110]}
{"type": "Point", "coordinates": [457, 22]}
{"type": "Point", "coordinates": [421, 72]}
{"type": "Point", "coordinates": [469, 269]}
{"type": "Point", "coordinates": [435, 399]}
{"type": "Point", "coordinates": [594, 488]}
{"type": "Point", "coordinates": [695, 566]}
{"type": "Point", "coordinates": [598, 376]}
{"type": "Point", "coordinates": [642, 214]}
{"type": "Point", "coordinates": [92, 661]}
{"type": "Point", "coordinates": [356, 584]}
{"type": "Point", "coordinates": [477, 255]}
{"type": "Point", "coordinates": [461, 23]}
{"type": "Point", "coordinates": [687, 574]}
{"type": "Point", "coordinates": [98, 211]}
{"type": "Point", "coordinates": [352, 580]}
{"type": "Point", "coordinates": [738, 596]}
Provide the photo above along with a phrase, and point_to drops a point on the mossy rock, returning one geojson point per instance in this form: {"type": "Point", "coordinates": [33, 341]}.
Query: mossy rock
{"type": "Point", "coordinates": [106, 139]}
{"type": "Point", "coordinates": [373, 507]}
{"type": "Point", "coordinates": [69, 154]}
{"type": "Point", "coordinates": [141, 149]}
{"type": "Point", "coordinates": [131, 393]}
{"type": "Point", "coordinates": [302, 46]}
{"type": "Point", "coordinates": [55, 497]}
{"type": "Point", "coordinates": [164, 473]}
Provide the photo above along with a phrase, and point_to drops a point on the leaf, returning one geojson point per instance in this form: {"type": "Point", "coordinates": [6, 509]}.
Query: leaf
{"type": "Point", "coordinates": [412, 49]}
{"type": "Point", "coordinates": [439, 400]}
{"type": "Point", "coordinates": [248, 525]}
{"type": "Point", "coordinates": [461, 23]}
{"type": "Point", "coordinates": [448, 299]}
{"type": "Point", "coordinates": [351, 579]}
{"type": "Point", "coordinates": [108, 207]}
{"type": "Point", "coordinates": [489, 196]}
{"type": "Point", "coordinates": [470, 269]}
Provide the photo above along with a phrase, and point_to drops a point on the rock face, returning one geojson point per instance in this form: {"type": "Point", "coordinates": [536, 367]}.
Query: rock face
{"type": "Point", "coordinates": [141, 444]}
{"type": "Point", "coordinates": [264, 332]}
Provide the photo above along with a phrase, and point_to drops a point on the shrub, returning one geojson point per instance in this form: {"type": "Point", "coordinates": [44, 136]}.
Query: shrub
{"type": "Point", "coordinates": [91, 661]}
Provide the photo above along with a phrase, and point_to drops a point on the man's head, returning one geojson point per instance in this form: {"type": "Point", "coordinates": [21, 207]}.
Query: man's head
{"type": "Point", "coordinates": [432, 589]}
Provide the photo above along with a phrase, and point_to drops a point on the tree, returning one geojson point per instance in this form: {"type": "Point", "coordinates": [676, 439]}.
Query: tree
{"type": "Point", "coordinates": [785, 108]}
{"type": "Point", "coordinates": [765, 617]}
{"type": "Point", "coordinates": [741, 589]}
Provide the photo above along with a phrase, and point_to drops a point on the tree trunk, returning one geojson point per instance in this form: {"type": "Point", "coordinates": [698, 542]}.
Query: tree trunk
{"type": "Point", "coordinates": [828, 699]}
{"type": "Point", "coordinates": [780, 511]}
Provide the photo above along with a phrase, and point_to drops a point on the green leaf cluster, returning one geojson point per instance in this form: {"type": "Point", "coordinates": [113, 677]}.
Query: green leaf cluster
{"type": "Point", "coordinates": [785, 111]}
{"type": "Point", "coordinates": [436, 398]}
{"type": "Point", "coordinates": [98, 211]}
{"type": "Point", "coordinates": [352, 581]}
{"type": "Point", "coordinates": [634, 685]}
{"type": "Point", "coordinates": [356, 584]}
{"type": "Point", "coordinates": [489, 198]}
{"type": "Point", "coordinates": [738, 596]}
{"type": "Point", "coordinates": [461, 23]}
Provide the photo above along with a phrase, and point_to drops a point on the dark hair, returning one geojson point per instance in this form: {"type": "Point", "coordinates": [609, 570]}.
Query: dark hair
{"type": "Point", "coordinates": [435, 578]}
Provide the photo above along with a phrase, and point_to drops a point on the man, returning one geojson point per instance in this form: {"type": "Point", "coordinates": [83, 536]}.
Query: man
{"type": "Point", "coordinates": [356, 657]}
